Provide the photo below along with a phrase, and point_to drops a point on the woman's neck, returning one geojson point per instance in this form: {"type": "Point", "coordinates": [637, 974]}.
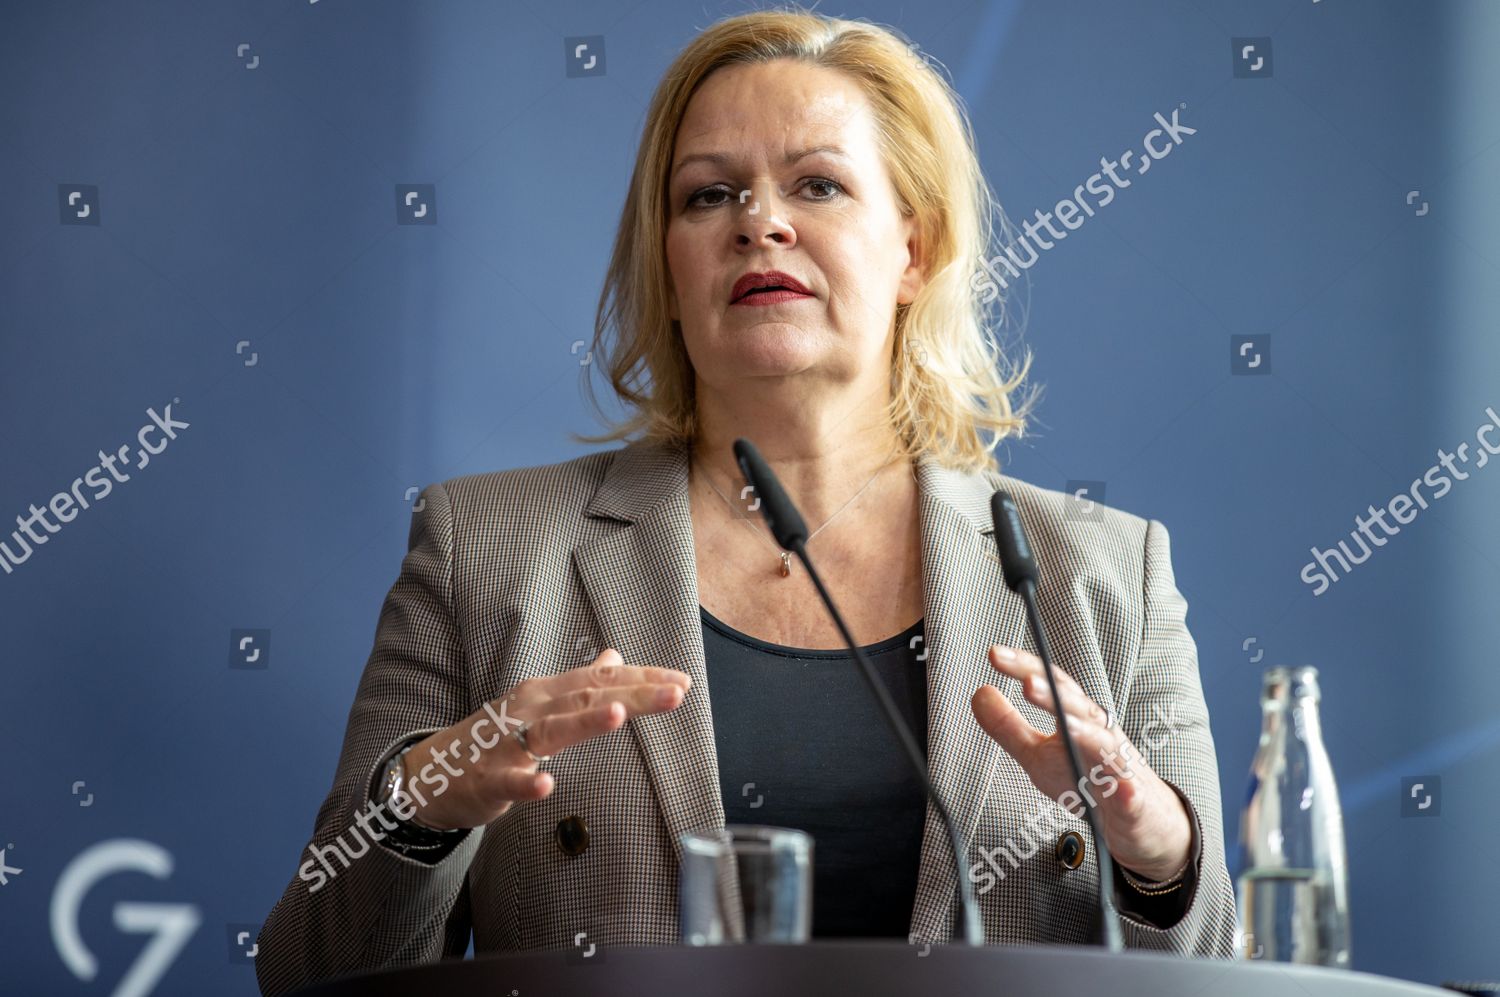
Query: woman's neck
{"type": "Point", "coordinates": [820, 484]}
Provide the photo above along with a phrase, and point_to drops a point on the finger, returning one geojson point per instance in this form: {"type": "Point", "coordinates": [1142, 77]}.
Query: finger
{"type": "Point", "coordinates": [1088, 736]}
{"type": "Point", "coordinates": [1119, 755]}
{"type": "Point", "coordinates": [510, 783]}
{"type": "Point", "coordinates": [1003, 722]}
{"type": "Point", "coordinates": [1075, 700]}
{"type": "Point", "coordinates": [1024, 664]}
{"type": "Point", "coordinates": [1090, 739]}
{"type": "Point", "coordinates": [608, 670]}
{"type": "Point", "coordinates": [554, 732]}
{"type": "Point", "coordinates": [1102, 751]}
{"type": "Point", "coordinates": [648, 697]}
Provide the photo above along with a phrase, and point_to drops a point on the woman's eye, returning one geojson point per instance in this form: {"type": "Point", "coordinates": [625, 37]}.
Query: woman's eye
{"type": "Point", "coordinates": [697, 199]}
{"type": "Point", "coordinates": [818, 182]}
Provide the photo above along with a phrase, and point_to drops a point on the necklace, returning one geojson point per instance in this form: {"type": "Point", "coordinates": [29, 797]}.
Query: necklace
{"type": "Point", "coordinates": [786, 557]}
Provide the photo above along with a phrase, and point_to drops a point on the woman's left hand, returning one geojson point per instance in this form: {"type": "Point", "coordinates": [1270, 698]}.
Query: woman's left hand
{"type": "Point", "coordinates": [1146, 826]}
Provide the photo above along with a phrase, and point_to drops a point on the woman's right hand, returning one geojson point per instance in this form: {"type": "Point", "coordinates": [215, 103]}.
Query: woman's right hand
{"type": "Point", "coordinates": [463, 777]}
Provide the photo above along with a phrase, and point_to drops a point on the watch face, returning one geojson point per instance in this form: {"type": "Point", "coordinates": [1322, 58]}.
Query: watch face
{"type": "Point", "coordinates": [392, 777]}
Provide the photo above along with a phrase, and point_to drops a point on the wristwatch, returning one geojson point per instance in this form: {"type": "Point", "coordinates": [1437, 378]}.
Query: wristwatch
{"type": "Point", "coordinates": [408, 837]}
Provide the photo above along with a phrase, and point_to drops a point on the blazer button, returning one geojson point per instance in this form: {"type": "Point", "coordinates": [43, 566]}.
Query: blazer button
{"type": "Point", "coordinates": [1069, 849]}
{"type": "Point", "coordinates": [572, 835]}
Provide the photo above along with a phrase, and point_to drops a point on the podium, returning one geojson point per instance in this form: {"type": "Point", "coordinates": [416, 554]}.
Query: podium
{"type": "Point", "coordinates": [831, 969]}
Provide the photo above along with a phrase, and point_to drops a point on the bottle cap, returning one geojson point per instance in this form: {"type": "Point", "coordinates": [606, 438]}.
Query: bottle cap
{"type": "Point", "coordinates": [1291, 682]}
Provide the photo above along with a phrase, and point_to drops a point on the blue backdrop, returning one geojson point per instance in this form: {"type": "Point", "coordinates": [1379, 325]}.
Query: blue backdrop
{"type": "Point", "coordinates": [220, 208]}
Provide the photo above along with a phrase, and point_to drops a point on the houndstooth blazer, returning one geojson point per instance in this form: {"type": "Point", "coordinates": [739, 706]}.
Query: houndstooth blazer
{"type": "Point", "coordinates": [526, 572]}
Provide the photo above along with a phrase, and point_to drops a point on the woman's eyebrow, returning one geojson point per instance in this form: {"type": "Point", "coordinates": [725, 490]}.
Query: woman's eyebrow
{"type": "Point", "coordinates": [722, 158]}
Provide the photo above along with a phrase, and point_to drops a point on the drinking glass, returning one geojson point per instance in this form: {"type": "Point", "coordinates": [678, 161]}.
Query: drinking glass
{"type": "Point", "coordinates": [746, 883]}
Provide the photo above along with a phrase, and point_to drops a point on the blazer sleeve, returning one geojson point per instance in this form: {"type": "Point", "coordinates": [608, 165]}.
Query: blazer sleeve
{"type": "Point", "coordinates": [1167, 720]}
{"type": "Point", "coordinates": [380, 908]}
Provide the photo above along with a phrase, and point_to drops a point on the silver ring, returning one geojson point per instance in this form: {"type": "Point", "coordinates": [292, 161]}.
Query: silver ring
{"type": "Point", "coordinates": [1109, 718]}
{"type": "Point", "coordinates": [520, 735]}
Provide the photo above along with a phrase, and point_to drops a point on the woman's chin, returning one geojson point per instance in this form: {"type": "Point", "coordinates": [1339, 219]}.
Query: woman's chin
{"type": "Point", "coordinates": [777, 346]}
{"type": "Point", "coordinates": [771, 361]}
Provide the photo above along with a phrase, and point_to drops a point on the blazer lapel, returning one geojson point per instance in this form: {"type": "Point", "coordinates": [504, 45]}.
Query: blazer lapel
{"type": "Point", "coordinates": [642, 583]}
{"type": "Point", "coordinates": [967, 608]}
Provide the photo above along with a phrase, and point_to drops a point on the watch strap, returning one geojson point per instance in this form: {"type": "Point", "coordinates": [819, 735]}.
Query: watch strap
{"type": "Point", "coordinates": [408, 836]}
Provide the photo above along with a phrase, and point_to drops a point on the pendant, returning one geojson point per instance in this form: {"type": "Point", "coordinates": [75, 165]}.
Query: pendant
{"type": "Point", "coordinates": [786, 564]}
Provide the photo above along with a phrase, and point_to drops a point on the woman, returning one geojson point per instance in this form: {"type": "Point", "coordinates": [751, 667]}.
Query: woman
{"type": "Point", "coordinates": [820, 210]}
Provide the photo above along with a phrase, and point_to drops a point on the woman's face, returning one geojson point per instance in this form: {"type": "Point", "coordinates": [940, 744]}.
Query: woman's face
{"type": "Point", "coordinates": [828, 219]}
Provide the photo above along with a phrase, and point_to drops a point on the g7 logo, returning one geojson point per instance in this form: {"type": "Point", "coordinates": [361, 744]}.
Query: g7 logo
{"type": "Point", "coordinates": [172, 924]}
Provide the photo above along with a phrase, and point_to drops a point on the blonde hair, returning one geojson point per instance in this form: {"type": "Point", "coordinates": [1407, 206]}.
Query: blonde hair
{"type": "Point", "coordinates": [947, 380]}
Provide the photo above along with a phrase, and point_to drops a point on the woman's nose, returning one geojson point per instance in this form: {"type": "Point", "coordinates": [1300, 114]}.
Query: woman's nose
{"type": "Point", "coordinates": [761, 212]}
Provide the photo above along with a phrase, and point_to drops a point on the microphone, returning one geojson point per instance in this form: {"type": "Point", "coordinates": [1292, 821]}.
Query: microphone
{"type": "Point", "coordinates": [1022, 576]}
{"type": "Point", "coordinates": [791, 533]}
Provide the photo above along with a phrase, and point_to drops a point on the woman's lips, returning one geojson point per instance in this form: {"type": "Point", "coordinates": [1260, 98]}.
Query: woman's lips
{"type": "Point", "coordinates": [771, 297]}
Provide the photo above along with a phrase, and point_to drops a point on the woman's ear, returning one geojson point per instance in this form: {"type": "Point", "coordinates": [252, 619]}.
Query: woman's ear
{"type": "Point", "coordinates": [913, 278]}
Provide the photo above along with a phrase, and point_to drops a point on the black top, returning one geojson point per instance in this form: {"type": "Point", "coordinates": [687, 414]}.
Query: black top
{"type": "Point", "coordinates": [802, 743]}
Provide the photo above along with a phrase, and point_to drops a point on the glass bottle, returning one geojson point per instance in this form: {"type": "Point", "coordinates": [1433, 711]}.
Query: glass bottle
{"type": "Point", "coordinates": [1294, 883]}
